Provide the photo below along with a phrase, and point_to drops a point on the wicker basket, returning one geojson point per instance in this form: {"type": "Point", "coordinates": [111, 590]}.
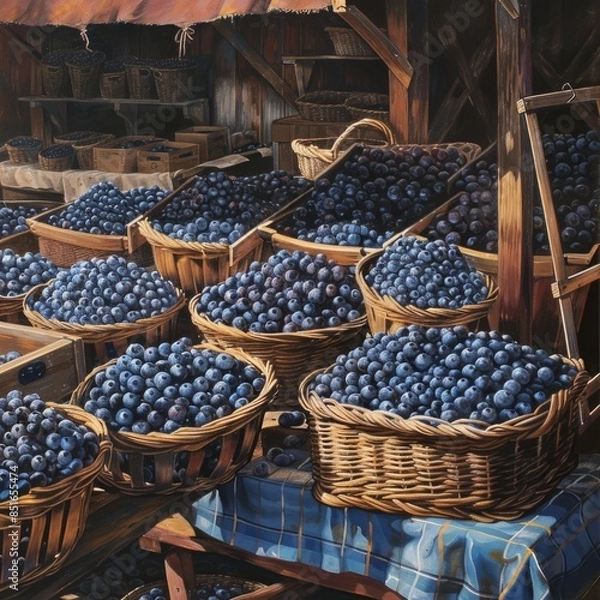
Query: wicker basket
{"type": "Point", "coordinates": [57, 163]}
{"type": "Point", "coordinates": [113, 85]}
{"type": "Point", "coordinates": [174, 83]}
{"type": "Point", "coordinates": [194, 265]}
{"type": "Point", "coordinates": [315, 155]}
{"type": "Point", "coordinates": [102, 342]}
{"type": "Point", "coordinates": [85, 79]}
{"type": "Point", "coordinates": [74, 137]}
{"type": "Point", "coordinates": [325, 105]}
{"type": "Point", "coordinates": [237, 434]}
{"type": "Point", "coordinates": [55, 75]}
{"type": "Point", "coordinates": [293, 355]}
{"type": "Point", "coordinates": [369, 106]}
{"type": "Point", "coordinates": [11, 309]}
{"type": "Point", "coordinates": [140, 79]}
{"type": "Point", "coordinates": [346, 42]}
{"type": "Point", "coordinates": [24, 154]}
{"type": "Point", "coordinates": [84, 149]}
{"type": "Point", "coordinates": [427, 467]}
{"type": "Point", "coordinates": [54, 516]}
{"type": "Point", "coordinates": [385, 314]}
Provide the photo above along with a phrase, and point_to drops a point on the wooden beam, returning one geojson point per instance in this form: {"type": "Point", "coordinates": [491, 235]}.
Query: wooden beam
{"type": "Point", "coordinates": [586, 94]}
{"type": "Point", "coordinates": [256, 60]}
{"type": "Point", "coordinates": [511, 7]}
{"type": "Point", "coordinates": [407, 22]}
{"type": "Point", "coordinates": [515, 184]}
{"type": "Point", "coordinates": [395, 60]}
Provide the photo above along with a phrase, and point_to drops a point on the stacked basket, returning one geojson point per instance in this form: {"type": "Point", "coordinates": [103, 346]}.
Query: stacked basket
{"type": "Point", "coordinates": [84, 72]}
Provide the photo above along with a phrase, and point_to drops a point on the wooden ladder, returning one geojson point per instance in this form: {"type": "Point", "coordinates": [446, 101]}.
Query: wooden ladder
{"type": "Point", "coordinates": [564, 285]}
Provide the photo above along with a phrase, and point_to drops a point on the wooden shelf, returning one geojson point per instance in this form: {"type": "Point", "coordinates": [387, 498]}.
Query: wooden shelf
{"type": "Point", "coordinates": [127, 108]}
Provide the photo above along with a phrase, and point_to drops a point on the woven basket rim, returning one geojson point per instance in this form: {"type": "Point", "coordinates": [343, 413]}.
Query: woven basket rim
{"type": "Point", "coordinates": [352, 100]}
{"type": "Point", "coordinates": [97, 333]}
{"type": "Point", "coordinates": [160, 441]}
{"type": "Point", "coordinates": [281, 337]}
{"type": "Point", "coordinates": [392, 306]}
{"type": "Point", "coordinates": [97, 54]}
{"type": "Point", "coordinates": [309, 99]}
{"type": "Point", "coordinates": [522, 427]}
{"type": "Point", "coordinates": [10, 142]}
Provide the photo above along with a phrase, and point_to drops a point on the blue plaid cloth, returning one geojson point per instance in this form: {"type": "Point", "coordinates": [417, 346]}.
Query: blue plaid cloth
{"type": "Point", "coordinates": [552, 552]}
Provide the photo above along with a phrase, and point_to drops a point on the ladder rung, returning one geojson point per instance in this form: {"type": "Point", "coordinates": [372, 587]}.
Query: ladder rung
{"type": "Point", "coordinates": [560, 289]}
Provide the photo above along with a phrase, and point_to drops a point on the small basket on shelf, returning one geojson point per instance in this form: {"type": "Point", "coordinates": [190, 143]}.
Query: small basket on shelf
{"type": "Point", "coordinates": [315, 155]}
{"type": "Point", "coordinates": [369, 106]}
{"type": "Point", "coordinates": [325, 105]}
{"type": "Point", "coordinates": [346, 42]}
{"type": "Point", "coordinates": [24, 149]}
{"type": "Point", "coordinates": [173, 79]}
{"type": "Point", "coordinates": [375, 460]}
{"type": "Point", "coordinates": [50, 519]}
{"type": "Point", "coordinates": [113, 79]}
{"type": "Point", "coordinates": [57, 157]}
{"type": "Point", "coordinates": [55, 75]}
{"type": "Point", "coordinates": [84, 72]}
{"type": "Point", "coordinates": [140, 78]}
{"type": "Point", "coordinates": [206, 456]}
{"type": "Point", "coordinates": [84, 149]}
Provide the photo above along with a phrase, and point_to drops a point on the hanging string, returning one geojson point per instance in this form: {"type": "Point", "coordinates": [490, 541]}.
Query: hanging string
{"type": "Point", "coordinates": [85, 38]}
{"type": "Point", "coordinates": [182, 37]}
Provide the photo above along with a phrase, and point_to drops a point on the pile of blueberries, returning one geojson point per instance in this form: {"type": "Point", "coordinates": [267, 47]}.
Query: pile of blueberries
{"type": "Point", "coordinates": [207, 591]}
{"type": "Point", "coordinates": [39, 444]}
{"type": "Point", "coordinates": [104, 291]}
{"type": "Point", "coordinates": [58, 151]}
{"type": "Point", "coordinates": [291, 291]}
{"type": "Point", "coordinates": [219, 209]}
{"type": "Point", "coordinates": [445, 373]}
{"type": "Point", "coordinates": [170, 386]}
{"type": "Point", "coordinates": [84, 58]}
{"type": "Point", "coordinates": [12, 219]}
{"type": "Point", "coordinates": [426, 275]}
{"type": "Point", "coordinates": [376, 192]}
{"type": "Point", "coordinates": [8, 356]}
{"type": "Point", "coordinates": [132, 143]}
{"type": "Point", "coordinates": [105, 209]}
{"type": "Point", "coordinates": [573, 164]}
{"type": "Point", "coordinates": [19, 273]}
{"type": "Point", "coordinates": [24, 141]}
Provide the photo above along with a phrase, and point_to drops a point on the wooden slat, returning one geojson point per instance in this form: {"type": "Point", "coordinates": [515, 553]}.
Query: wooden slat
{"type": "Point", "coordinates": [256, 60]}
{"type": "Point", "coordinates": [511, 7]}
{"type": "Point", "coordinates": [532, 103]}
{"type": "Point", "coordinates": [560, 289]}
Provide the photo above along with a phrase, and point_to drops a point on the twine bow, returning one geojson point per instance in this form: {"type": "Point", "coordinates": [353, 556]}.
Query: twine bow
{"type": "Point", "coordinates": [85, 38]}
{"type": "Point", "coordinates": [182, 37]}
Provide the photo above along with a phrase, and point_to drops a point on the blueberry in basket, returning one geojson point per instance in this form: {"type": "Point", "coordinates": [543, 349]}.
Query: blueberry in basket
{"type": "Point", "coordinates": [104, 291]}
{"type": "Point", "coordinates": [19, 273]}
{"type": "Point", "coordinates": [40, 444]}
{"type": "Point", "coordinates": [13, 219]}
{"type": "Point", "coordinates": [169, 386]}
{"type": "Point", "coordinates": [162, 148]}
{"type": "Point", "coordinates": [25, 142]}
{"type": "Point", "coordinates": [426, 275]}
{"type": "Point", "coordinates": [218, 209]}
{"type": "Point", "coordinates": [445, 373]}
{"type": "Point", "coordinates": [106, 210]}
{"type": "Point", "coordinates": [291, 291]}
{"type": "Point", "coordinates": [8, 356]}
{"type": "Point", "coordinates": [58, 151]}
{"type": "Point", "coordinates": [205, 591]}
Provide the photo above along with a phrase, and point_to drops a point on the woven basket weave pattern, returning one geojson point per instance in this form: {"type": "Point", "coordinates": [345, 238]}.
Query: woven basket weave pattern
{"type": "Point", "coordinates": [324, 105]}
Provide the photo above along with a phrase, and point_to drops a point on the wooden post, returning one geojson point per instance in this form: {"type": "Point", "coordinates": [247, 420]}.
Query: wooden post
{"type": "Point", "coordinates": [515, 182]}
{"type": "Point", "coordinates": [409, 106]}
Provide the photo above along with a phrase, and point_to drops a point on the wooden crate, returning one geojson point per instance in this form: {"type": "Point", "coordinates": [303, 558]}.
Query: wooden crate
{"type": "Point", "coordinates": [109, 157]}
{"type": "Point", "coordinates": [182, 156]}
{"type": "Point", "coordinates": [547, 328]}
{"type": "Point", "coordinates": [213, 142]}
{"type": "Point", "coordinates": [51, 364]}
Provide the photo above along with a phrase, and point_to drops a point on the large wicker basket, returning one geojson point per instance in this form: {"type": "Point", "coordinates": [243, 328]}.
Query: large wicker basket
{"type": "Point", "coordinates": [369, 106]}
{"type": "Point", "coordinates": [85, 78]}
{"type": "Point", "coordinates": [324, 105]}
{"type": "Point", "coordinates": [102, 342]}
{"type": "Point", "coordinates": [315, 155]}
{"type": "Point", "coordinates": [19, 153]}
{"type": "Point", "coordinates": [84, 149]}
{"type": "Point", "coordinates": [63, 162]}
{"type": "Point", "coordinates": [427, 467]}
{"type": "Point", "coordinates": [53, 517]}
{"type": "Point", "coordinates": [293, 355]}
{"type": "Point", "coordinates": [174, 83]}
{"type": "Point", "coordinates": [385, 314]}
{"type": "Point", "coordinates": [140, 79]}
{"type": "Point", "coordinates": [55, 75]}
{"type": "Point", "coordinates": [346, 42]}
{"type": "Point", "coordinates": [237, 434]}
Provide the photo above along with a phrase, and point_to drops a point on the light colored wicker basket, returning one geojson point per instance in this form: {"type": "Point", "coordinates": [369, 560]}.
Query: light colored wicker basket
{"type": "Point", "coordinates": [427, 467]}
{"type": "Point", "coordinates": [369, 106]}
{"type": "Point", "coordinates": [324, 105]}
{"type": "Point", "coordinates": [293, 355]}
{"type": "Point", "coordinates": [84, 149]}
{"type": "Point", "coordinates": [237, 434]}
{"type": "Point", "coordinates": [315, 155]}
{"type": "Point", "coordinates": [57, 163]}
{"type": "Point", "coordinates": [385, 314]}
{"type": "Point", "coordinates": [74, 137]}
{"type": "Point", "coordinates": [103, 341]}
{"type": "Point", "coordinates": [54, 517]}
{"type": "Point", "coordinates": [23, 154]}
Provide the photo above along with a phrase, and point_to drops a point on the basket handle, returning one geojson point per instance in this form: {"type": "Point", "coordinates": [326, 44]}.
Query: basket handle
{"type": "Point", "coordinates": [391, 139]}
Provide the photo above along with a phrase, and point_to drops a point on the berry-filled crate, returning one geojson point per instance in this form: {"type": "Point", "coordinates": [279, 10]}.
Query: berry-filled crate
{"type": "Point", "coordinates": [168, 157]}
{"type": "Point", "coordinates": [474, 460]}
{"type": "Point", "coordinates": [470, 220]}
{"type": "Point", "coordinates": [61, 232]}
{"type": "Point", "coordinates": [120, 155]}
{"type": "Point", "coordinates": [360, 201]}
{"type": "Point", "coordinates": [51, 364]}
{"type": "Point", "coordinates": [40, 526]}
{"type": "Point", "coordinates": [177, 448]}
{"type": "Point", "coordinates": [192, 261]}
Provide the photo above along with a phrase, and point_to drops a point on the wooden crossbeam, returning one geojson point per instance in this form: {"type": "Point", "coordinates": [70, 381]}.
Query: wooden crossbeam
{"type": "Point", "coordinates": [530, 104]}
{"type": "Point", "coordinates": [563, 288]}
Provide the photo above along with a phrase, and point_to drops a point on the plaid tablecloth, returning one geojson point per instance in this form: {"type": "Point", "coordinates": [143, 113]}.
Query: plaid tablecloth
{"type": "Point", "coordinates": [553, 552]}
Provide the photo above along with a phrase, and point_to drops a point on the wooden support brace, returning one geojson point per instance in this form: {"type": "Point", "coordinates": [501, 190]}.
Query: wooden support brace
{"type": "Point", "coordinates": [551, 99]}
{"type": "Point", "coordinates": [256, 60]}
{"type": "Point", "coordinates": [512, 7]}
{"type": "Point", "coordinates": [564, 287]}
